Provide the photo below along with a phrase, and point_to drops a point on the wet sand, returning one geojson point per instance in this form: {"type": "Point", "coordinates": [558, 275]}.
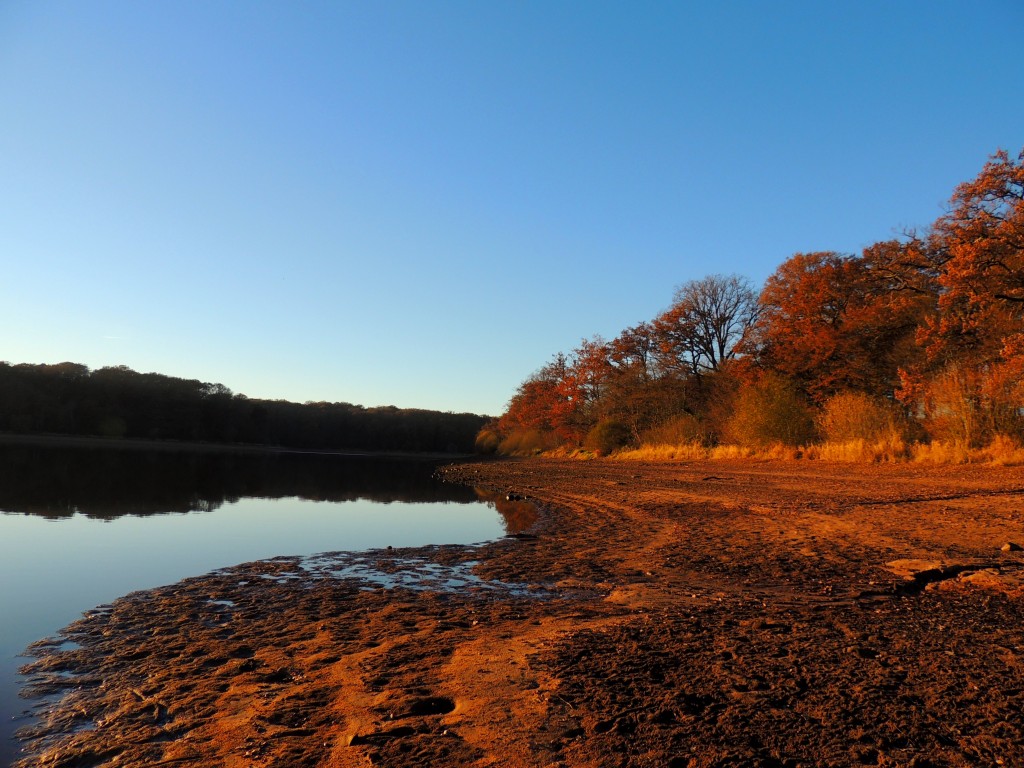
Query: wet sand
{"type": "Point", "coordinates": [691, 614]}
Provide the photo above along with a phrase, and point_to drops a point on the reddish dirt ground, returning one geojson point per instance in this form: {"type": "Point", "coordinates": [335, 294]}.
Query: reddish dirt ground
{"type": "Point", "coordinates": [693, 614]}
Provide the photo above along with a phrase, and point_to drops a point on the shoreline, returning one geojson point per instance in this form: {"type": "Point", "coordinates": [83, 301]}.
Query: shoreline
{"type": "Point", "coordinates": [693, 614]}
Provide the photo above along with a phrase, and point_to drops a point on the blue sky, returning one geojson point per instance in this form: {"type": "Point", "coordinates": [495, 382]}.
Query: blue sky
{"type": "Point", "coordinates": [418, 203]}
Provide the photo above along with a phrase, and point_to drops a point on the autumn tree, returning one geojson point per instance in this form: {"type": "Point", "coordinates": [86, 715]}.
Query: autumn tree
{"type": "Point", "coordinates": [638, 393]}
{"type": "Point", "coordinates": [978, 247]}
{"type": "Point", "coordinates": [587, 380]}
{"type": "Point", "coordinates": [974, 342]}
{"type": "Point", "coordinates": [935, 320]}
{"type": "Point", "coordinates": [706, 323]}
{"type": "Point", "coordinates": [542, 405]}
{"type": "Point", "coordinates": [834, 322]}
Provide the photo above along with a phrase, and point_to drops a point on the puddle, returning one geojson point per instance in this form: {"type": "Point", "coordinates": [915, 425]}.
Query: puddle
{"type": "Point", "coordinates": [413, 573]}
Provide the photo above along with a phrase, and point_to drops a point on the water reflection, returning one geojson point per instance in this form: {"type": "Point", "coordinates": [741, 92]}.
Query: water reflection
{"type": "Point", "coordinates": [519, 514]}
{"type": "Point", "coordinates": [106, 483]}
{"type": "Point", "coordinates": [115, 531]}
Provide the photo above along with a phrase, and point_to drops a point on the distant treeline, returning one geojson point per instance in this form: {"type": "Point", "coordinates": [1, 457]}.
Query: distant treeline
{"type": "Point", "coordinates": [118, 402]}
{"type": "Point", "coordinates": [916, 341]}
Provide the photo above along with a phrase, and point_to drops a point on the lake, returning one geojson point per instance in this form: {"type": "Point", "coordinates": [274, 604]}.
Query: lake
{"type": "Point", "coordinates": [83, 525]}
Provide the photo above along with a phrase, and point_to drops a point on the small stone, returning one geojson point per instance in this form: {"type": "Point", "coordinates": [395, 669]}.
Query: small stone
{"type": "Point", "coordinates": [1011, 547]}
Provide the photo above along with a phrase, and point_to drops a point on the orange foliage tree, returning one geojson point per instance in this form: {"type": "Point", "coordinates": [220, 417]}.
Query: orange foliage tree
{"type": "Point", "coordinates": [976, 336]}
{"type": "Point", "coordinates": [936, 321]}
{"type": "Point", "coordinates": [978, 247]}
{"type": "Point", "coordinates": [833, 323]}
{"type": "Point", "coordinates": [539, 403]}
{"type": "Point", "coordinates": [640, 391]}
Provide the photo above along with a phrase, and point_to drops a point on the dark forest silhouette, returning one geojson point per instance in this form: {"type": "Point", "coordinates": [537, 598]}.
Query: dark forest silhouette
{"type": "Point", "coordinates": [117, 402]}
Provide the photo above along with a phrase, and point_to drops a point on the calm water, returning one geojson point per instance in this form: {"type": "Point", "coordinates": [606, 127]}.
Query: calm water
{"type": "Point", "coordinates": [82, 526]}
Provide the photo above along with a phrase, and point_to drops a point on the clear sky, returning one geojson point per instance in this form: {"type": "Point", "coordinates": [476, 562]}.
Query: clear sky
{"type": "Point", "coordinates": [418, 203]}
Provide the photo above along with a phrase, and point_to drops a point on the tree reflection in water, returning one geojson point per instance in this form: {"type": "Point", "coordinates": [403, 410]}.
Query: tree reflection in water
{"type": "Point", "coordinates": [103, 482]}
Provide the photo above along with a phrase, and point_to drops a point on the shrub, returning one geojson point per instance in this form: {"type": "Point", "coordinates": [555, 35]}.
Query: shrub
{"type": "Point", "coordinates": [527, 442]}
{"type": "Point", "coordinates": [606, 436]}
{"type": "Point", "coordinates": [973, 405]}
{"type": "Point", "coordinates": [851, 416]}
{"type": "Point", "coordinates": [951, 407]}
{"type": "Point", "coordinates": [487, 441]}
{"type": "Point", "coordinates": [770, 412]}
{"type": "Point", "coordinates": [680, 430]}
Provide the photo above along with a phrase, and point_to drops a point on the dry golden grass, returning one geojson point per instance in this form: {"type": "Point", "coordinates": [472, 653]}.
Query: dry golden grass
{"type": "Point", "coordinates": [892, 449]}
{"type": "Point", "coordinates": [699, 452]}
{"type": "Point", "coordinates": [664, 452]}
{"type": "Point", "coordinates": [566, 452]}
{"type": "Point", "coordinates": [940, 452]}
{"type": "Point", "coordinates": [1003, 451]}
{"type": "Point", "coordinates": [734, 452]}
